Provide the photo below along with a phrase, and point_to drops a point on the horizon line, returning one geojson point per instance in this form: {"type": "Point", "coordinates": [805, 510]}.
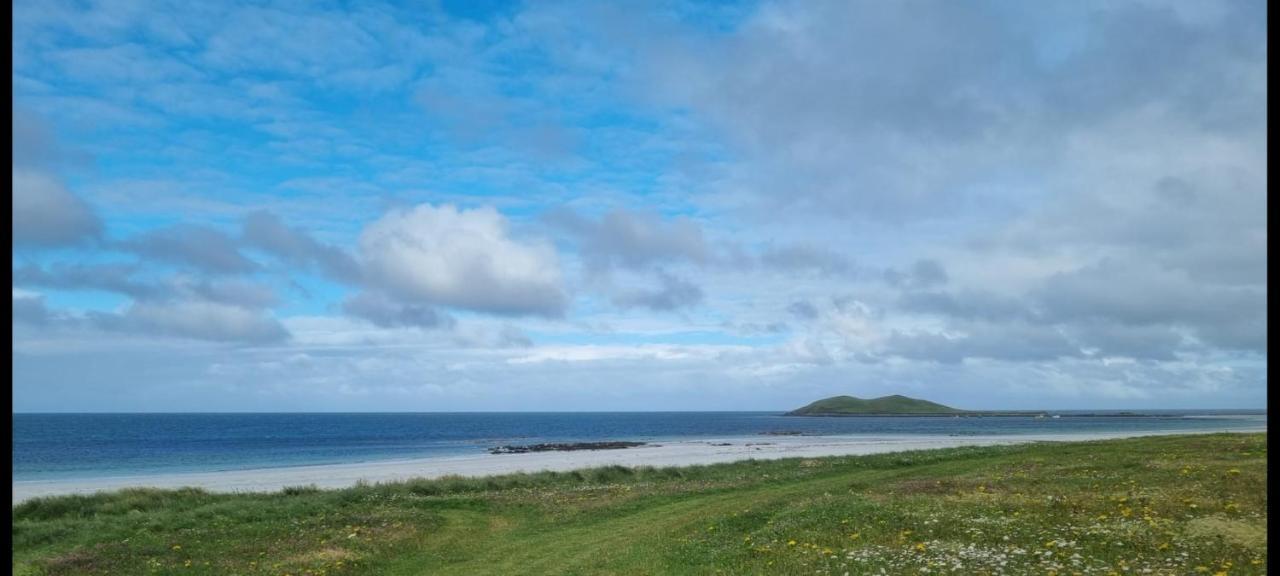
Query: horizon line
{"type": "Point", "coordinates": [592, 411]}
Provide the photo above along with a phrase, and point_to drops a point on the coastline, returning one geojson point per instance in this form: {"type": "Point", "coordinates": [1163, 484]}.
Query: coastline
{"type": "Point", "coordinates": [677, 453]}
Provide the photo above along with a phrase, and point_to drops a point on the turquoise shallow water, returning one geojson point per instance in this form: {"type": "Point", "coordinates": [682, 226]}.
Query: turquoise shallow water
{"type": "Point", "coordinates": [74, 446]}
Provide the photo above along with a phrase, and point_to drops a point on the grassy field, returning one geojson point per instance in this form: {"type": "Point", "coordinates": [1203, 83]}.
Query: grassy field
{"type": "Point", "coordinates": [1157, 505]}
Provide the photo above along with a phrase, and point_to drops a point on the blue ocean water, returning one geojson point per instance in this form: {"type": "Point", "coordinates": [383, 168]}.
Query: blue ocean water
{"type": "Point", "coordinates": [66, 446]}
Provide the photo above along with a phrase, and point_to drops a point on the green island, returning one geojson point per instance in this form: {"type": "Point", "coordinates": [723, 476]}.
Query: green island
{"type": "Point", "coordinates": [895, 405]}
{"type": "Point", "coordinates": [1191, 504]}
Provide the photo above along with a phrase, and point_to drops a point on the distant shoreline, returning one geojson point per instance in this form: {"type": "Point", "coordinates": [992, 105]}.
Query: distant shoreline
{"type": "Point", "coordinates": [680, 453]}
{"type": "Point", "coordinates": [988, 415]}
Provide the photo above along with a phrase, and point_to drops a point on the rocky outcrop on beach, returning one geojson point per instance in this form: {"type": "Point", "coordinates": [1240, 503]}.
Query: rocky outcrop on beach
{"type": "Point", "coordinates": [563, 447]}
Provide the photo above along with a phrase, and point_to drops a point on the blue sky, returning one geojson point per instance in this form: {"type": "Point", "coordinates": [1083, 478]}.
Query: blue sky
{"type": "Point", "coordinates": [274, 206]}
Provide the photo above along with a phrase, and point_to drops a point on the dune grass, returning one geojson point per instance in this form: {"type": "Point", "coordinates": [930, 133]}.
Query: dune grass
{"type": "Point", "coordinates": [1156, 505]}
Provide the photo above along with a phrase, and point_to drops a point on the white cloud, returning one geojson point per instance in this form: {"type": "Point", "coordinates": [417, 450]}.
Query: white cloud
{"type": "Point", "coordinates": [45, 213]}
{"type": "Point", "coordinates": [463, 259]}
{"type": "Point", "coordinates": [201, 320]}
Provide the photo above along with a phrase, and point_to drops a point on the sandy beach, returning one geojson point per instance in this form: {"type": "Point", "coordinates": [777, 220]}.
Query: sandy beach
{"type": "Point", "coordinates": [679, 453]}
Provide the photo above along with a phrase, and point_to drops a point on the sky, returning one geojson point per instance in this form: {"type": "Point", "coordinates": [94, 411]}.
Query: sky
{"type": "Point", "coordinates": [673, 205]}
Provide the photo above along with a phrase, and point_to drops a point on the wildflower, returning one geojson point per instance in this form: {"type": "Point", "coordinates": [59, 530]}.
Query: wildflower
{"type": "Point", "coordinates": [177, 546]}
{"type": "Point", "coordinates": [919, 546]}
{"type": "Point", "coordinates": [791, 542]}
{"type": "Point", "coordinates": [1233, 471]}
{"type": "Point", "coordinates": [855, 536]}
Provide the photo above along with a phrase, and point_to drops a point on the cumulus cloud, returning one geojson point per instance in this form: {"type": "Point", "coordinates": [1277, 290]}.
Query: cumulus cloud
{"type": "Point", "coordinates": [673, 293]}
{"type": "Point", "coordinates": [388, 313]}
{"type": "Point", "coordinates": [265, 231]}
{"type": "Point", "coordinates": [1012, 342]}
{"type": "Point", "coordinates": [798, 257]}
{"type": "Point", "coordinates": [924, 273]}
{"type": "Point", "coordinates": [46, 214]}
{"type": "Point", "coordinates": [633, 240]}
{"type": "Point", "coordinates": [888, 112]}
{"type": "Point", "coordinates": [174, 306]}
{"type": "Point", "coordinates": [195, 319]}
{"type": "Point", "coordinates": [230, 312]}
{"type": "Point", "coordinates": [193, 245]}
{"type": "Point", "coordinates": [967, 304]}
{"type": "Point", "coordinates": [1113, 340]}
{"type": "Point", "coordinates": [29, 309]}
{"type": "Point", "coordinates": [1137, 293]}
{"type": "Point", "coordinates": [244, 294]}
{"type": "Point", "coordinates": [128, 280]}
{"type": "Point", "coordinates": [117, 278]}
{"type": "Point", "coordinates": [442, 255]}
{"type": "Point", "coordinates": [803, 309]}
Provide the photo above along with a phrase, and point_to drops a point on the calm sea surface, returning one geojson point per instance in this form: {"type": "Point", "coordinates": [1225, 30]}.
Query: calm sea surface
{"type": "Point", "coordinates": [65, 446]}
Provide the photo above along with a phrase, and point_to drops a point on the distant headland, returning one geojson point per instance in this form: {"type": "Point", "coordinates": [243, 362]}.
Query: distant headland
{"type": "Point", "coordinates": [896, 405]}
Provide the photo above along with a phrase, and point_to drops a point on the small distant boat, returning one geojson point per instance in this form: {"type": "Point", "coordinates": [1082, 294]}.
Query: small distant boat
{"type": "Point", "coordinates": [1056, 416]}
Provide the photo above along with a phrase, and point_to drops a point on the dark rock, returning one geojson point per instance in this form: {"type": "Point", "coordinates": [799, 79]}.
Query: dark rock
{"type": "Point", "coordinates": [563, 447]}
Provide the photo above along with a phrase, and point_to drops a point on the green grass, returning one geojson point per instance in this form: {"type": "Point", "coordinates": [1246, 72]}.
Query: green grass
{"type": "Point", "coordinates": [1169, 505]}
{"type": "Point", "coordinates": [895, 404]}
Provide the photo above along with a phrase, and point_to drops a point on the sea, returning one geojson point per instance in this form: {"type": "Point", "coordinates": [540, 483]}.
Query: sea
{"type": "Point", "coordinates": [87, 446]}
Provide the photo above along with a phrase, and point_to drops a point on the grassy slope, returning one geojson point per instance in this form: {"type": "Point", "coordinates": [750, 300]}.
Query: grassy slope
{"type": "Point", "coordinates": [885, 405]}
{"type": "Point", "coordinates": [1171, 504]}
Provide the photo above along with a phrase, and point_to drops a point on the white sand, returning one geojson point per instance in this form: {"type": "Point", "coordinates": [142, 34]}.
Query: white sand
{"type": "Point", "coordinates": [678, 453]}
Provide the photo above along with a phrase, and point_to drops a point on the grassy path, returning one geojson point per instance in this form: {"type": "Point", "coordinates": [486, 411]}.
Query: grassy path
{"type": "Point", "coordinates": [610, 544]}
